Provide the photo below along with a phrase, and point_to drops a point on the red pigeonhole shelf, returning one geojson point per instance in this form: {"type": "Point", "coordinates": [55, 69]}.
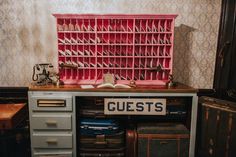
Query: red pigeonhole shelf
{"type": "Point", "coordinates": [132, 47]}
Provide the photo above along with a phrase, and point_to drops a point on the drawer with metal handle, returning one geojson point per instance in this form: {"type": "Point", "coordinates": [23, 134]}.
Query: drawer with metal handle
{"type": "Point", "coordinates": [51, 104]}
{"type": "Point", "coordinates": [46, 121]}
{"type": "Point", "coordinates": [53, 154]}
{"type": "Point", "coordinates": [52, 141]}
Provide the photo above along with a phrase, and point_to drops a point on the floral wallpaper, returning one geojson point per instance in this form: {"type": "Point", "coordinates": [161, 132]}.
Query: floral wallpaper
{"type": "Point", "coordinates": [28, 34]}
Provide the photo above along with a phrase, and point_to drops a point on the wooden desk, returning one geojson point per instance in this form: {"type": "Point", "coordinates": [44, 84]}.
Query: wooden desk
{"type": "Point", "coordinates": [64, 117]}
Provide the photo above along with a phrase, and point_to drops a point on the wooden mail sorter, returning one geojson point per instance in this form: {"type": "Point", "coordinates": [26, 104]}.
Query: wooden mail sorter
{"type": "Point", "coordinates": [132, 47]}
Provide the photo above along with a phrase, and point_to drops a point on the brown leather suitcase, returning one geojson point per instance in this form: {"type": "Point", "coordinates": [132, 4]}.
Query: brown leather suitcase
{"type": "Point", "coordinates": [103, 141]}
{"type": "Point", "coordinates": [218, 125]}
{"type": "Point", "coordinates": [131, 142]}
{"type": "Point", "coordinates": [12, 115]}
{"type": "Point", "coordinates": [120, 152]}
{"type": "Point", "coordinates": [162, 140]}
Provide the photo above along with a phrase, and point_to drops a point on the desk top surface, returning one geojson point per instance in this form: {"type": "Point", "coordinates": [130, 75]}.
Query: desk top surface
{"type": "Point", "coordinates": [179, 88]}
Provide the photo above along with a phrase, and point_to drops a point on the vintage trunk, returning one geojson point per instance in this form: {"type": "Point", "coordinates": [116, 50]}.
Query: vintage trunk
{"type": "Point", "coordinates": [99, 127]}
{"type": "Point", "coordinates": [102, 152]}
{"type": "Point", "coordinates": [162, 140]}
{"type": "Point", "coordinates": [11, 115]}
{"type": "Point", "coordinates": [103, 141]}
{"type": "Point", "coordinates": [218, 122]}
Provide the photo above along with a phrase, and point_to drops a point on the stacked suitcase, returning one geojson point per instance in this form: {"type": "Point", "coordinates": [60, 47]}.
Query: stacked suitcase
{"type": "Point", "coordinates": [146, 136]}
{"type": "Point", "coordinates": [99, 136]}
{"type": "Point", "coordinates": [217, 136]}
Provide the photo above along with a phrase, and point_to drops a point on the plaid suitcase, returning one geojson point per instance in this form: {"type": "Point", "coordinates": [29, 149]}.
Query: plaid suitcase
{"type": "Point", "coordinates": [103, 141]}
{"type": "Point", "coordinates": [93, 127]}
{"type": "Point", "coordinates": [218, 125]}
{"type": "Point", "coordinates": [162, 140]}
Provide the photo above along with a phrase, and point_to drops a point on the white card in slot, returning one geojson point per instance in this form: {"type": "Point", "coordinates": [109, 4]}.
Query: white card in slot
{"type": "Point", "coordinates": [98, 40]}
{"type": "Point", "coordinates": [67, 40]}
{"type": "Point", "coordinates": [117, 65]}
{"type": "Point", "coordinates": [161, 41]}
{"type": "Point", "coordinates": [110, 64]}
{"type": "Point", "coordinates": [73, 40]}
{"type": "Point", "coordinates": [105, 64]}
{"type": "Point", "coordinates": [154, 41]}
{"type": "Point", "coordinates": [81, 53]}
{"type": "Point", "coordinates": [61, 40]}
{"type": "Point", "coordinates": [74, 63]}
{"type": "Point", "coordinates": [89, 28]}
{"type": "Point", "coordinates": [168, 41]}
{"type": "Point", "coordinates": [68, 52]}
{"type": "Point", "coordinates": [86, 64]}
{"type": "Point", "coordinates": [122, 78]}
{"type": "Point", "coordinates": [92, 40]}
{"type": "Point", "coordinates": [105, 53]}
{"type": "Point", "coordinates": [65, 27]}
{"type": "Point", "coordinates": [110, 28]}
{"type": "Point", "coordinates": [117, 77]}
{"type": "Point", "coordinates": [99, 64]}
{"type": "Point", "coordinates": [99, 53]}
{"type": "Point", "coordinates": [71, 27]}
{"type": "Point", "coordinates": [79, 40]}
{"type": "Point", "coordinates": [74, 52]}
{"type": "Point", "coordinates": [100, 28]}
{"type": "Point", "coordinates": [80, 64]}
{"type": "Point", "coordinates": [129, 29]}
{"type": "Point", "coordinates": [86, 40]}
{"type": "Point", "coordinates": [149, 29]}
{"type": "Point", "coordinates": [83, 27]}
{"type": "Point", "coordinates": [61, 52]}
{"type": "Point", "coordinates": [92, 65]}
{"type": "Point", "coordinates": [151, 63]}
{"type": "Point", "coordinates": [142, 29]}
{"type": "Point", "coordinates": [162, 29]}
{"type": "Point", "coordinates": [68, 62]}
{"type": "Point", "coordinates": [142, 77]}
{"type": "Point", "coordinates": [59, 27]}
{"type": "Point", "coordinates": [154, 28]}
{"type": "Point", "coordinates": [86, 53]}
{"type": "Point", "coordinates": [77, 28]}
{"type": "Point", "coordinates": [122, 28]}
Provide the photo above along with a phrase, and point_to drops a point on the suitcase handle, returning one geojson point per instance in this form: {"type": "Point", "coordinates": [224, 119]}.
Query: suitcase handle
{"type": "Point", "coordinates": [100, 140]}
{"type": "Point", "coordinates": [100, 143]}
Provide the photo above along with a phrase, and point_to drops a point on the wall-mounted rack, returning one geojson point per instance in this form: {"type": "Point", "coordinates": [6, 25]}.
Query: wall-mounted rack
{"type": "Point", "coordinates": [132, 47]}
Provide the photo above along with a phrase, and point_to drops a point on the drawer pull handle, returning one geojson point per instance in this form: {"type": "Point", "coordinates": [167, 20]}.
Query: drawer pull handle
{"type": "Point", "coordinates": [52, 141]}
{"type": "Point", "coordinates": [51, 103]}
{"type": "Point", "coordinates": [51, 122]}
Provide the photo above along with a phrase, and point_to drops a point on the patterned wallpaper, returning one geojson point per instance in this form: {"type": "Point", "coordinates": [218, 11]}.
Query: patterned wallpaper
{"type": "Point", "coordinates": [28, 34]}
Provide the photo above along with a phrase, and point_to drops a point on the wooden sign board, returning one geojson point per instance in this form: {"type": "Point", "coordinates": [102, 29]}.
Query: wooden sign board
{"type": "Point", "coordinates": [132, 106]}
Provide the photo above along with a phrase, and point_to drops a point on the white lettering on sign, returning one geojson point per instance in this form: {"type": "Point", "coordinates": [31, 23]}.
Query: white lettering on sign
{"type": "Point", "coordinates": [132, 106]}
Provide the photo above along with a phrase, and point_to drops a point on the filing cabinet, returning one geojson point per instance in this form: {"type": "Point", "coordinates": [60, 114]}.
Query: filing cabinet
{"type": "Point", "coordinates": [51, 124]}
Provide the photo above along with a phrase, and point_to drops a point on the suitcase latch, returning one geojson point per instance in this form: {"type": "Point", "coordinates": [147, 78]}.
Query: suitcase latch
{"type": "Point", "coordinates": [100, 140]}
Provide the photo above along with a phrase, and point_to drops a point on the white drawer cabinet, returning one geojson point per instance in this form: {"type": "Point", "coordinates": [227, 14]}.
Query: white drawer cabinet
{"type": "Point", "coordinates": [51, 124]}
